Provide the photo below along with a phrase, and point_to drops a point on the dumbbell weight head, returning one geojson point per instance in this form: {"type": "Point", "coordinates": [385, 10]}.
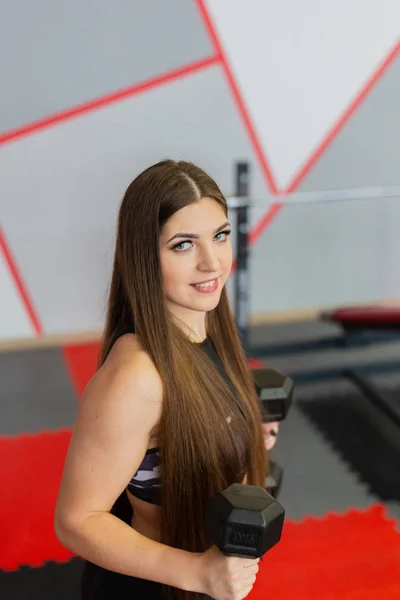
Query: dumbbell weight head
{"type": "Point", "coordinates": [275, 391]}
{"type": "Point", "coordinates": [244, 520]}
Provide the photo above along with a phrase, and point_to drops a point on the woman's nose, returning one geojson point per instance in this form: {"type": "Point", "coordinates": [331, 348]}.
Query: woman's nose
{"type": "Point", "coordinates": [209, 260]}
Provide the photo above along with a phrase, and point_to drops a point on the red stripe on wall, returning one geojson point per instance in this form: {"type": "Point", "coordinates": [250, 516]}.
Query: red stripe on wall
{"type": "Point", "coordinates": [357, 101]}
{"type": "Point", "coordinates": [87, 107]}
{"type": "Point", "coordinates": [19, 284]}
{"type": "Point", "coordinates": [68, 114]}
{"type": "Point", "coordinates": [244, 113]}
{"type": "Point", "coordinates": [274, 209]}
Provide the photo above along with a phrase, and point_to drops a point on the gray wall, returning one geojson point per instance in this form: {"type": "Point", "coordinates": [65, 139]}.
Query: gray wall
{"type": "Point", "coordinates": [94, 92]}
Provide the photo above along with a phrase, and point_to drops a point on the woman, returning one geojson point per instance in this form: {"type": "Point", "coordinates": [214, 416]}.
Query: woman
{"type": "Point", "coordinates": [171, 416]}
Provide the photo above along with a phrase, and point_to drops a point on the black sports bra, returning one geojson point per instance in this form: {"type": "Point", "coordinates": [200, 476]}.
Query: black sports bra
{"type": "Point", "coordinates": [145, 483]}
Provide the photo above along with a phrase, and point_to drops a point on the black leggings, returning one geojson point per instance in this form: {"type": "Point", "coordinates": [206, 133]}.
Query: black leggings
{"type": "Point", "coordinates": [100, 584]}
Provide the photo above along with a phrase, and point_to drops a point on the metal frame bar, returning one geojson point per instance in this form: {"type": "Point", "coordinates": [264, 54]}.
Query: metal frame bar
{"type": "Point", "coordinates": [241, 203]}
{"type": "Point", "coordinates": [242, 255]}
{"type": "Point", "coordinates": [339, 195]}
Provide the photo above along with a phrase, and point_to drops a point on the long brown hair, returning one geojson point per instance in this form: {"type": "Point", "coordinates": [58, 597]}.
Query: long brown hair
{"type": "Point", "coordinates": [198, 448]}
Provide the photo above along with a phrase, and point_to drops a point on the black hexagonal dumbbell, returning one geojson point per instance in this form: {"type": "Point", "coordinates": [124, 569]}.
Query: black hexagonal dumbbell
{"type": "Point", "coordinates": [275, 391]}
{"type": "Point", "coordinates": [244, 520]}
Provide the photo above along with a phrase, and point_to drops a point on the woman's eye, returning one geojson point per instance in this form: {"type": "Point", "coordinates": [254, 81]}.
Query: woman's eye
{"type": "Point", "coordinates": [225, 233]}
{"type": "Point", "coordinates": [181, 246]}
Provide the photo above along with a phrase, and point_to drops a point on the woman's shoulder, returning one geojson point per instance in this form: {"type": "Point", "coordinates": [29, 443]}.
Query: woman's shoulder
{"type": "Point", "coordinates": [127, 348]}
{"type": "Point", "coordinates": [127, 345]}
{"type": "Point", "coordinates": [130, 365]}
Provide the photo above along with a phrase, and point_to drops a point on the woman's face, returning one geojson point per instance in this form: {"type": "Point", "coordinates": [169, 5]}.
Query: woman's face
{"type": "Point", "coordinates": [195, 248]}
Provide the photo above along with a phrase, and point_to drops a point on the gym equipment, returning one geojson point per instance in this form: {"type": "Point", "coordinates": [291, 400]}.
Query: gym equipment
{"type": "Point", "coordinates": [275, 391]}
{"type": "Point", "coordinates": [361, 326]}
{"type": "Point", "coordinates": [241, 202]}
{"type": "Point", "coordinates": [273, 481]}
{"type": "Point", "coordinates": [244, 520]}
{"type": "Point", "coordinates": [359, 320]}
{"type": "Point", "coordinates": [241, 281]}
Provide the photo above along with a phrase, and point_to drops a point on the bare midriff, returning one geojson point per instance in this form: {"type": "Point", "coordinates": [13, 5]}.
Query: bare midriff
{"type": "Point", "coordinates": [146, 517]}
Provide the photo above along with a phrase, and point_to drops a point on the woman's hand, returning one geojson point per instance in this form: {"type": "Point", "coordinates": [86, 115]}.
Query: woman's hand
{"type": "Point", "coordinates": [227, 577]}
{"type": "Point", "coordinates": [270, 434]}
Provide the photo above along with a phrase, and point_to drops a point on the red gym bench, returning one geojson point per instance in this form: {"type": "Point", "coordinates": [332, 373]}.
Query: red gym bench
{"type": "Point", "coordinates": [356, 327]}
{"type": "Point", "coordinates": [359, 320]}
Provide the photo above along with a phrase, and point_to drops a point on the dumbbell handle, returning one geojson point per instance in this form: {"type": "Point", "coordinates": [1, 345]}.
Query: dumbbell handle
{"type": "Point", "coordinates": [237, 529]}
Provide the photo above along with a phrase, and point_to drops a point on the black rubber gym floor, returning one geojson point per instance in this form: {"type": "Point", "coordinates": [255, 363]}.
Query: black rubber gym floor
{"type": "Point", "coordinates": [336, 455]}
{"type": "Point", "coordinates": [352, 431]}
{"type": "Point", "coordinates": [58, 581]}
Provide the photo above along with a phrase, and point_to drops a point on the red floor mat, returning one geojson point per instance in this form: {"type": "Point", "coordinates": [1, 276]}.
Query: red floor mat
{"type": "Point", "coordinates": [355, 556]}
{"type": "Point", "coordinates": [30, 474]}
{"type": "Point", "coordinates": [81, 361]}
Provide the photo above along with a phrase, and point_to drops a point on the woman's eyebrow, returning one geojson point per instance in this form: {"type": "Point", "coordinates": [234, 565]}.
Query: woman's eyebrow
{"type": "Point", "coordinates": [194, 236]}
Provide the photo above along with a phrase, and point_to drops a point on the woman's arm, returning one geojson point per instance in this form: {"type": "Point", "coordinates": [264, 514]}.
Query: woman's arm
{"type": "Point", "coordinates": [118, 410]}
{"type": "Point", "coordinates": [109, 542]}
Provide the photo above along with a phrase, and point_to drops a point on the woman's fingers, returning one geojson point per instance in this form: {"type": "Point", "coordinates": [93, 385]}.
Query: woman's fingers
{"type": "Point", "coordinates": [271, 431]}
